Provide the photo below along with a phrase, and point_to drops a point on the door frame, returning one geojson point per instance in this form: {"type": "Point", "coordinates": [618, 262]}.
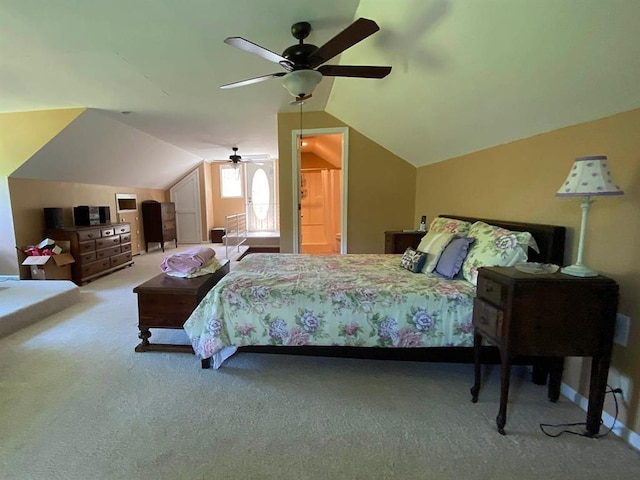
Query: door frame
{"type": "Point", "coordinates": [295, 174]}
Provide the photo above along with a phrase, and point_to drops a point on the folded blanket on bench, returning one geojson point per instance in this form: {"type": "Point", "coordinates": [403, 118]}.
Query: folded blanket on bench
{"type": "Point", "coordinates": [188, 261]}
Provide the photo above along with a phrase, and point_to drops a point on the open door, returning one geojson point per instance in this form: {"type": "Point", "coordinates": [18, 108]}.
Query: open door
{"type": "Point", "coordinates": [319, 174]}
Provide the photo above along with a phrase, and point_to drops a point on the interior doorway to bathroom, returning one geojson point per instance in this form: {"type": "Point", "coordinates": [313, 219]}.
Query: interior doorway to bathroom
{"type": "Point", "coordinates": [320, 191]}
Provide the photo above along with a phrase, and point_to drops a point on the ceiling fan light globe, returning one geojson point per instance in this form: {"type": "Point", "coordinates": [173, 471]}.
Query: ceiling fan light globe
{"type": "Point", "coordinates": [301, 83]}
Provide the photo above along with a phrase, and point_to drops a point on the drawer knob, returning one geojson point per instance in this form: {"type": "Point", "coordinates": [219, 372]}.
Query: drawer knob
{"type": "Point", "coordinates": [489, 288]}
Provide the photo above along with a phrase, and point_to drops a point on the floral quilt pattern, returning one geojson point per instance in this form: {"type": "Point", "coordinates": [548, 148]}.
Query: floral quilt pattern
{"type": "Point", "coordinates": [347, 300]}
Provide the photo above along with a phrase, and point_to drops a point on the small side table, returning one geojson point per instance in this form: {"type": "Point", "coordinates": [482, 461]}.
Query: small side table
{"type": "Point", "coordinates": [397, 241]}
{"type": "Point", "coordinates": [551, 315]}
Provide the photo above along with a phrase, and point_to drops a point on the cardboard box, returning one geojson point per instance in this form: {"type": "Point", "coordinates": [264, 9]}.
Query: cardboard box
{"type": "Point", "coordinates": [49, 267]}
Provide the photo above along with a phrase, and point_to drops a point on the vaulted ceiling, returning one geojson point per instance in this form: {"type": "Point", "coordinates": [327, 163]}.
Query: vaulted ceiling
{"type": "Point", "coordinates": [467, 75]}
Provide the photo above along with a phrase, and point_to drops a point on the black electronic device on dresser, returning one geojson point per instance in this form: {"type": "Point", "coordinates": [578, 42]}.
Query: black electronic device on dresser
{"type": "Point", "coordinates": [159, 223]}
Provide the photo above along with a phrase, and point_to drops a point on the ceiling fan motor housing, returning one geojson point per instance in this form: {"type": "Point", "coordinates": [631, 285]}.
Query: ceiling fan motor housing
{"type": "Point", "coordinates": [299, 55]}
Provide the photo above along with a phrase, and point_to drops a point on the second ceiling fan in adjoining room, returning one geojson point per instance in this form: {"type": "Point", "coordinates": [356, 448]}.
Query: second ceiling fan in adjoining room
{"type": "Point", "coordinates": [304, 62]}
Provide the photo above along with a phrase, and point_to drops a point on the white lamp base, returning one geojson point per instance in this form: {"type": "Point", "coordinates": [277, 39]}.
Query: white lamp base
{"type": "Point", "coordinates": [579, 271]}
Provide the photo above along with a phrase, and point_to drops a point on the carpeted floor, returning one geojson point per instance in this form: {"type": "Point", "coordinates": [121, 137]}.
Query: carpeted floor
{"type": "Point", "coordinates": [76, 402]}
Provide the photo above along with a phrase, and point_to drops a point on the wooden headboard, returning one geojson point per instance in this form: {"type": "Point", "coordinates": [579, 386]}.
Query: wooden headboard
{"type": "Point", "coordinates": [550, 238]}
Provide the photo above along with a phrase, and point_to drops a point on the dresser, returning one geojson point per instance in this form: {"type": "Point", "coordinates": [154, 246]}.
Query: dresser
{"type": "Point", "coordinates": [158, 223]}
{"type": "Point", "coordinates": [97, 250]}
{"type": "Point", "coordinates": [397, 241]}
{"type": "Point", "coordinates": [547, 315]}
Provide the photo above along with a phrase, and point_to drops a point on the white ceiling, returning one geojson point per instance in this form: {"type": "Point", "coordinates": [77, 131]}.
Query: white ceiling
{"type": "Point", "coordinates": [467, 74]}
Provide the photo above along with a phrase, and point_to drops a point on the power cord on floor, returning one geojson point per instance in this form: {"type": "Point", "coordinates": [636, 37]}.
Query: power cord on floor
{"type": "Point", "coordinates": [613, 391]}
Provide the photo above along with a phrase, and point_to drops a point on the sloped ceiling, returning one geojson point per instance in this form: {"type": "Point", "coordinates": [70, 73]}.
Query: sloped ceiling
{"type": "Point", "coordinates": [96, 149]}
{"type": "Point", "coordinates": [467, 75]}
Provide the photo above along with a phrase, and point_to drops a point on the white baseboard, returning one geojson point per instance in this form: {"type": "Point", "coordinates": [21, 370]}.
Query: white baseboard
{"type": "Point", "coordinates": [5, 278]}
{"type": "Point", "coordinates": [631, 437]}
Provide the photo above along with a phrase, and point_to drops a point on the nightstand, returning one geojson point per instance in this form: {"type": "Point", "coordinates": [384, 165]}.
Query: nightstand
{"type": "Point", "coordinates": [397, 241]}
{"type": "Point", "coordinates": [550, 315]}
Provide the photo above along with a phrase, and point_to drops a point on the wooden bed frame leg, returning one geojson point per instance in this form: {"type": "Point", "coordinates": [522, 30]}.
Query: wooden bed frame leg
{"type": "Point", "coordinates": [206, 363]}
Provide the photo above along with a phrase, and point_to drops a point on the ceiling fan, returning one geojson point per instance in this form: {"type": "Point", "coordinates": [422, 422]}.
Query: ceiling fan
{"type": "Point", "coordinates": [236, 159]}
{"type": "Point", "coordinates": [303, 62]}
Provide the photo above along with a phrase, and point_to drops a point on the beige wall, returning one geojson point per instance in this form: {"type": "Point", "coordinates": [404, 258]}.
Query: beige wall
{"type": "Point", "coordinates": [21, 135]}
{"type": "Point", "coordinates": [381, 186]}
{"type": "Point", "coordinates": [311, 160]}
{"type": "Point", "coordinates": [29, 197]}
{"type": "Point", "coordinates": [518, 181]}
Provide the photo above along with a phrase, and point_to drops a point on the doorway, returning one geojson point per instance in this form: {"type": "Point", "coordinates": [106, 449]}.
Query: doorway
{"type": "Point", "coordinates": [261, 206]}
{"type": "Point", "coordinates": [319, 174]}
{"type": "Point", "coordinates": [186, 196]}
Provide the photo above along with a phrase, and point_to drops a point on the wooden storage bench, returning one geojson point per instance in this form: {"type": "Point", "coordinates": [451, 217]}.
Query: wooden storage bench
{"type": "Point", "coordinates": [166, 302]}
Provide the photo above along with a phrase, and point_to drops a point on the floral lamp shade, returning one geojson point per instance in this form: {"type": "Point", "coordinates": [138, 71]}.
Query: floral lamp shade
{"type": "Point", "coordinates": [589, 176]}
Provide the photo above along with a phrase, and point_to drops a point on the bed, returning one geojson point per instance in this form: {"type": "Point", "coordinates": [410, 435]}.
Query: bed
{"type": "Point", "coordinates": [354, 305]}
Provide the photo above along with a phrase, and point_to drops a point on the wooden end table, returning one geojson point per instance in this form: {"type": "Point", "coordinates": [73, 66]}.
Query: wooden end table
{"type": "Point", "coordinates": [551, 315]}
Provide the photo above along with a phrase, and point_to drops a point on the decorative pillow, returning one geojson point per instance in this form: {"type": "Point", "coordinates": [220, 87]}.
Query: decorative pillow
{"type": "Point", "coordinates": [433, 243]}
{"type": "Point", "coordinates": [452, 257]}
{"type": "Point", "coordinates": [449, 225]}
{"type": "Point", "coordinates": [494, 246]}
{"type": "Point", "coordinates": [413, 260]}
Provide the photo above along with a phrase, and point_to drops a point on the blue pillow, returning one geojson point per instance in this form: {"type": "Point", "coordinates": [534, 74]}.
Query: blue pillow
{"type": "Point", "coordinates": [452, 257]}
{"type": "Point", "coordinates": [413, 260]}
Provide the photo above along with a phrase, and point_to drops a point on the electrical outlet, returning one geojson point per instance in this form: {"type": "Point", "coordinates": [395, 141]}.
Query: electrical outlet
{"type": "Point", "coordinates": [625, 386]}
{"type": "Point", "coordinates": [621, 333]}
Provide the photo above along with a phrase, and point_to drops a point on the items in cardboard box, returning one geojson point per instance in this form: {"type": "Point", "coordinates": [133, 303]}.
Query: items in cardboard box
{"type": "Point", "coordinates": [48, 260]}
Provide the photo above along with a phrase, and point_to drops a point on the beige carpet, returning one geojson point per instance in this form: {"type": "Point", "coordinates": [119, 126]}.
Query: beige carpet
{"type": "Point", "coordinates": [76, 402]}
{"type": "Point", "coordinates": [23, 302]}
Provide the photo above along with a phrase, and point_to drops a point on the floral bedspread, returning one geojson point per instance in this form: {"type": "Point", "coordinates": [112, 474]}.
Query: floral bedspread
{"type": "Point", "coordinates": [352, 300]}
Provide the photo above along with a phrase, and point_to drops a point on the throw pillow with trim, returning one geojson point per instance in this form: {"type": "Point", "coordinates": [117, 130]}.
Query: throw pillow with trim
{"type": "Point", "coordinates": [413, 260]}
{"type": "Point", "coordinates": [433, 244]}
{"type": "Point", "coordinates": [452, 257]}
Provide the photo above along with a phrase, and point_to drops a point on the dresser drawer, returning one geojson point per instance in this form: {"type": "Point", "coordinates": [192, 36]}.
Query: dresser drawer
{"type": "Point", "coordinates": [88, 246]}
{"type": "Point", "coordinates": [492, 291]}
{"type": "Point", "coordinates": [107, 232]}
{"type": "Point", "coordinates": [95, 267]}
{"type": "Point", "coordinates": [169, 234]}
{"type": "Point", "coordinates": [120, 229]}
{"type": "Point", "coordinates": [487, 319]}
{"type": "Point", "coordinates": [126, 238]}
{"type": "Point", "coordinates": [125, 247]}
{"type": "Point", "coordinates": [87, 257]}
{"type": "Point", "coordinates": [108, 242]}
{"type": "Point", "coordinates": [88, 235]}
{"type": "Point", "coordinates": [169, 225]}
{"type": "Point", "coordinates": [108, 252]}
{"type": "Point", "coordinates": [120, 259]}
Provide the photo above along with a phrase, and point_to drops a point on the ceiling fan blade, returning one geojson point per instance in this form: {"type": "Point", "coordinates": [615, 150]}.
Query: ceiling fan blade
{"type": "Point", "coordinates": [249, 81]}
{"type": "Point", "coordinates": [354, 33]}
{"type": "Point", "coordinates": [251, 47]}
{"type": "Point", "coordinates": [362, 71]}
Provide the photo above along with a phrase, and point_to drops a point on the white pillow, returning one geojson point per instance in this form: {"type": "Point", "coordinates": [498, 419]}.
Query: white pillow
{"type": "Point", "coordinates": [433, 243]}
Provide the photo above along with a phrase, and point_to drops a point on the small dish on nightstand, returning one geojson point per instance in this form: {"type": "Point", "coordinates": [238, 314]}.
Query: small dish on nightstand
{"type": "Point", "coordinates": [533, 267]}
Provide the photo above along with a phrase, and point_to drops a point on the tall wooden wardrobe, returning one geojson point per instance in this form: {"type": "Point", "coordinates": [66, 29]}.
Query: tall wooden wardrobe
{"type": "Point", "coordinates": [159, 223]}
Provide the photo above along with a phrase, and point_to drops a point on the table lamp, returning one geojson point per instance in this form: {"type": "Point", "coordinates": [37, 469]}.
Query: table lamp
{"type": "Point", "coordinates": [589, 177]}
